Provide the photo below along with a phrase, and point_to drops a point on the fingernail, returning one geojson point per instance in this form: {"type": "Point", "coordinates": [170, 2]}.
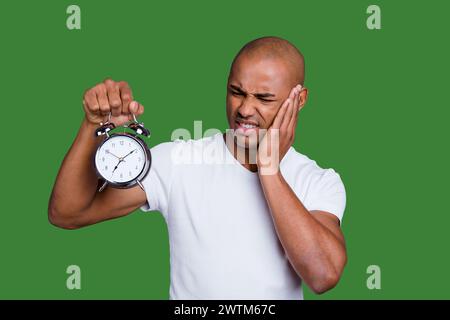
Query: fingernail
{"type": "Point", "coordinates": [133, 104]}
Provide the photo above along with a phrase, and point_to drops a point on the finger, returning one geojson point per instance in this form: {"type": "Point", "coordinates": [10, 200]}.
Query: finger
{"type": "Point", "coordinates": [295, 106]}
{"type": "Point", "coordinates": [293, 122]}
{"type": "Point", "coordinates": [126, 96]}
{"type": "Point", "coordinates": [134, 107]}
{"type": "Point", "coordinates": [91, 103]}
{"type": "Point", "coordinates": [113, 94]}
{"type": "Point", "coordinates": [297, 96]}
{"type": "Point", "coordinates": [280, 115]}
{"type": "Point", "coordinates": [292, 93]}
{"type": "Point", "coordinates": [102, 99]}
{"type": "Point", "coordinates": [140, 110]}
{"type": "Point", "coordinates": [287, 117]}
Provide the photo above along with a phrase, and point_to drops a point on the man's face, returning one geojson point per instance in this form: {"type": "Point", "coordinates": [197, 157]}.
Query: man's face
{"type": "Point", "coordinates": [256, 90]}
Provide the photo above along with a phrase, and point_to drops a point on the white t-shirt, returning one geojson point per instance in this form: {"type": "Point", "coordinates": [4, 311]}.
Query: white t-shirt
{"type": "Point", "coordinates": [223, 244]}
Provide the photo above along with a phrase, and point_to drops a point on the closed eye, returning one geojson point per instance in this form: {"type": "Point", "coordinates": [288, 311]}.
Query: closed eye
{"type": "Point", "coordinates": [263, 97]}
{"type": "Point", "coordinates": [237, 93]}
{"type": "Point", "coordinates": [266, 100]}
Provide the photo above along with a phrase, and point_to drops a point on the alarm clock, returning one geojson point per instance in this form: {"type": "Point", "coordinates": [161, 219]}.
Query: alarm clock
{"type": "Point", "coordinates": [123, 159]}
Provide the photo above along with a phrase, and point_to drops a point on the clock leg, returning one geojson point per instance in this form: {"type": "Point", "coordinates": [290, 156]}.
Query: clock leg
{"type": "Point", "coordinates": [140, 185]}
{"type": "Point", "coordinates": [103, 186]}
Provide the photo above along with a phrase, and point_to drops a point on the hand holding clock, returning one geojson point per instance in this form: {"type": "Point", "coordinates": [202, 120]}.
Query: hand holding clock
{"type": "Point", "coordinates": [111, 96]}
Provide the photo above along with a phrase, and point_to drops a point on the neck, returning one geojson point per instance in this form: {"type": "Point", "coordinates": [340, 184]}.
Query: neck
{"type": "Point", "coordinates": [241, 154]}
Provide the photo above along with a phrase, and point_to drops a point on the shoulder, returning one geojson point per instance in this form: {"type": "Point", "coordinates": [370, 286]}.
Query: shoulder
{"type": "Point", "coordinates": [318, 188]}
{"type": "Point", "coordinates": [299, 168]}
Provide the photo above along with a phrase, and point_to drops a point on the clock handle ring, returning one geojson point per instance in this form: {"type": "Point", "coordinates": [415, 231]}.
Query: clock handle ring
{"type": "Point", "coordinates": [108, 120]}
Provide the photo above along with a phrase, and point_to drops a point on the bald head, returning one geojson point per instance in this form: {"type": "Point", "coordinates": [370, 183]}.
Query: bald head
{"type": "Point", "coordinates": [263, 76]}
{"type": "Point", "coordinates": [274, 48]}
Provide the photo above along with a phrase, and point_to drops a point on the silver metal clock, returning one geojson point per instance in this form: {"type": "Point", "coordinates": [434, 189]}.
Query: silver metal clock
{"type": "Point", "coordinates": [122, 160]}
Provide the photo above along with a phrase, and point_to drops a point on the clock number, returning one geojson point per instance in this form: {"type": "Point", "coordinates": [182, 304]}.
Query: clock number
{"type": "Point", "coordinates": [113, 145]}
{"type": "Point", "coordinates": [121, 143]}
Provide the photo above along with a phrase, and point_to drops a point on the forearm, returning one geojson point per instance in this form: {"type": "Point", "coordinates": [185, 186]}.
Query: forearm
{"type": "Point", "coordinates": [316, 254]}
{"type": "Point", "coordinates": [76, 182]}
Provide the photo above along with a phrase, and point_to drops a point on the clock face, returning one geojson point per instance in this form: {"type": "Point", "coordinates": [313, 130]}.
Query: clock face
{"type": "Point", "coordinates": [120, 159]}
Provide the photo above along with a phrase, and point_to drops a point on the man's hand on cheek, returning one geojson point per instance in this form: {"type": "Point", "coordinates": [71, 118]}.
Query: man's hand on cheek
{"type": "Point", "coordinates": [280, 135]}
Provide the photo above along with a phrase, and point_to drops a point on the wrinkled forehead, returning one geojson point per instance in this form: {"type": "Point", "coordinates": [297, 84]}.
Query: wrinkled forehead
{"type": "Point", "coordinates": [256, 75]}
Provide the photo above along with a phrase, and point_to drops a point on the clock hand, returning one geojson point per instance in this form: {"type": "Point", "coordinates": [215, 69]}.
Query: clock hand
{"type": "Point", "coordinates": [113, 154]}
{"type": "Point", "coordinates": [129, 153]}
{"type": "Point", "coordinates": [121, 160]}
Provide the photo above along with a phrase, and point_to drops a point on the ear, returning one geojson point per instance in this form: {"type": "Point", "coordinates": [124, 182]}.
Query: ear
{"type": "Point", "coordinates": [302, 97]}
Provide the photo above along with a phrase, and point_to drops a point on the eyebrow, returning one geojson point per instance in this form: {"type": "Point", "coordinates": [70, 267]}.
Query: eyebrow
{"type": "Point", "coordinates": [258, 95]}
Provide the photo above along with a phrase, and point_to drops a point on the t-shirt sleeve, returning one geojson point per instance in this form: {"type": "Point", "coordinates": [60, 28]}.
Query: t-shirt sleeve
{"type": "Point", "coordinates": [327, 193]}
{"type": "Point", "coordinates": [158, 181]}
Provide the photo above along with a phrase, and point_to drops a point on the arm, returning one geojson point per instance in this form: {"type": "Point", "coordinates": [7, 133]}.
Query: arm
{"type": "Point", "coordinates": [74, 201]}
{"type": "Point", "coordinates": [313, 241]}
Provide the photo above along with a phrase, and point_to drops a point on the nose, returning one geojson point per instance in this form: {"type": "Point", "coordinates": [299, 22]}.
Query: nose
{"type": "Point", "coordinates": [247, 107]}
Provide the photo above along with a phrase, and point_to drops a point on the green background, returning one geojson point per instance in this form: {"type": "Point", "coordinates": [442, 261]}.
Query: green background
{"type": "Point", "coordinates": [377, 113]}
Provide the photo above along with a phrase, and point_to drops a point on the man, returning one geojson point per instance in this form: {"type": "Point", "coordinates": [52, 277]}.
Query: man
{"type": "Point", "coordinates": [236, 231]}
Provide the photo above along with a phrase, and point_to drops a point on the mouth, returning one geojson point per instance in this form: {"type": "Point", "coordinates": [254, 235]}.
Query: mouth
{"type": "Point", "coordinates": [246, 127]}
